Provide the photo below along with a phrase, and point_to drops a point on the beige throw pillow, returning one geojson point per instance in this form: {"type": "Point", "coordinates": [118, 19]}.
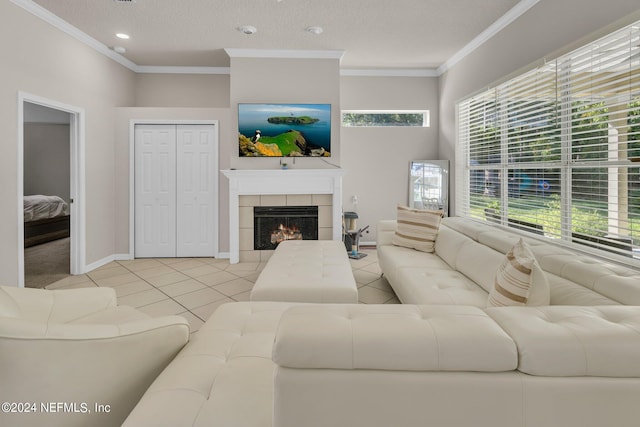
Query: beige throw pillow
{"type": "Point", "coordinates": [514, 280]}
{"type": "Point", "coordinates": [417, 229]}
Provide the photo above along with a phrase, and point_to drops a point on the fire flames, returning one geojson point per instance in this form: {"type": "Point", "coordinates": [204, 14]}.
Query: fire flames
{"type": "Point", "coordinates": [285, 233]}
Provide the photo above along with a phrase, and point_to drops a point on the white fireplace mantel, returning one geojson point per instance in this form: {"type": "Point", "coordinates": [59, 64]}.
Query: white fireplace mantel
{"type": "Point", "coordinates": [277, 181]}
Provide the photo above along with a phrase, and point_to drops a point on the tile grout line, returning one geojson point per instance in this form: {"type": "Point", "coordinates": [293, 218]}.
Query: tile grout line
{"type": "Point", "coordinates": [169, 296]}
{"type": "Point", "coordinates": [234, 273]}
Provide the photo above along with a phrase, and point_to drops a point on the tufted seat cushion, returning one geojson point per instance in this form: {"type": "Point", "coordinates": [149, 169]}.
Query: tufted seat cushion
{"type": "Point", "coordinates": [392, 337]}
{"type": "Point", "coordinates": [563, 341]}
{"type": "Point", "coordinates": [439, 286]}
{"type": "Point", "coordinates": [394, 259]}
{"type": "Point", "coordinates": [223, 377]}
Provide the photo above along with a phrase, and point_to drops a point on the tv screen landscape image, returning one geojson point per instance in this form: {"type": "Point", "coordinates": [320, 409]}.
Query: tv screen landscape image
{"type": "Point", "coordinates": [284, 130]}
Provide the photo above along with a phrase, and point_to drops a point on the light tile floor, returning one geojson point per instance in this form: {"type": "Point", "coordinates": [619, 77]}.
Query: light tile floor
{"type": "Point", "coordinates": [195, 287]}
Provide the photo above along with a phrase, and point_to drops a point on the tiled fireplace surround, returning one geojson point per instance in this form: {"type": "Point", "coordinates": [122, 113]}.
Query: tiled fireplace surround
{"type": "Point", "coordinates": [269, 187]}
{"type": "Point", "coordinates": [247, 203]}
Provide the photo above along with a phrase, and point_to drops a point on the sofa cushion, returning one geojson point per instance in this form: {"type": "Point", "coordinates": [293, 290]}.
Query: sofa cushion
{"type": "Point", "coordinates": [417, 229]}
{"type": "Point", "coordinates": [465, 226]}
{"type": "Point", "coordinates": [385, 230]}
{"type": "Point", "coordinates": [560, 341]}
{"type": "Point", "coordinates": [566, 292]}
{"type": "Point", "coordinates": [223, 377]}
{"type": "Point", "coordinates": [500, 240]}
{"type": "Point", "coordinates": [613, 281]}
{"type": "Point", "coordinates": [394, 258]}
{"type": "Point", "coordinates": [448, 244]}
{"type": "Point", "coordinates": [479, 263]}
{"type": "Point", "coordinates": [540, 289]}
{"type": "Point", "coordinates": [392, 337]}
{"type": "Point", "coordinates": [423, 285]}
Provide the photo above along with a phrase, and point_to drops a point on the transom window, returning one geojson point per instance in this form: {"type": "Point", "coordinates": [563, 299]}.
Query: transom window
{"type": "Point", "coordinates": [555, 151]}
{"type": "Point", "coordinates": [366, 118]}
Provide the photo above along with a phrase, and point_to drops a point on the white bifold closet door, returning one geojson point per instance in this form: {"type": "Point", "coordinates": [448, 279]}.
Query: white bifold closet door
{"type": "Point", "coordinates": [174, 191]}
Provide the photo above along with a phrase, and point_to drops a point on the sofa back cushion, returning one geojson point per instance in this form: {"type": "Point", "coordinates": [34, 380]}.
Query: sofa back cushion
{"type": "Point", "coordinates": [561, 341]}
{"type": "Point", "coordinates": [540, 288]}
{"type": "Point", "coordinates": [566, 292]}
{"type": "Point", "coordinates": [479, 263]}
{"type": "Point", "coordinates": [448, 244]}
{"type": "Point", "coordinates": [385, 231]}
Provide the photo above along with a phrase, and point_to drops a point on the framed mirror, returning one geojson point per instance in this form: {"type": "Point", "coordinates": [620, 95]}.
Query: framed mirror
{"type": "Point", "coordinates": [429, 185]}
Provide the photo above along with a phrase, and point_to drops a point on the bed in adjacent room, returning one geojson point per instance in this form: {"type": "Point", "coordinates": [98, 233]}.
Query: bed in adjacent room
{"type": "Point", "coordinates": [46, 218]}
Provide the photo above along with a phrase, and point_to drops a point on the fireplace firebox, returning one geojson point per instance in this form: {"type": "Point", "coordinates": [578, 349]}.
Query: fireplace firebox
{"type": "Point", "coordinates": [275, 224]}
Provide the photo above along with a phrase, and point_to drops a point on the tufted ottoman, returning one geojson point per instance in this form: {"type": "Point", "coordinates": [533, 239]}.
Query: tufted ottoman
{"type": "Point", "coordinates": [307, 271]}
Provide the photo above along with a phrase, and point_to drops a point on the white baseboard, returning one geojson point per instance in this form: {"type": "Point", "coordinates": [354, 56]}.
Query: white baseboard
{"type": "Point", "coordinates": [224, 255]}
{"type": "Point", "coordinates": [105, 261]}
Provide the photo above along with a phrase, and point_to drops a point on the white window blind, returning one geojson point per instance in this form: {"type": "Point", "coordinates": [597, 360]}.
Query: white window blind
{"type": "Point", "coordinates": [555, 151]}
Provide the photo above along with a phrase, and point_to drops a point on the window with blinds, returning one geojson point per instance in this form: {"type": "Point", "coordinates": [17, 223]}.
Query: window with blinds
{"type": "Point", "coordinates": [555, 151]}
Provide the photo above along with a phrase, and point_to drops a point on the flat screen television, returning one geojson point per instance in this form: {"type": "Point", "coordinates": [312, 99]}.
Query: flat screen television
{"type": "Point", "coordinates": [284, 130]}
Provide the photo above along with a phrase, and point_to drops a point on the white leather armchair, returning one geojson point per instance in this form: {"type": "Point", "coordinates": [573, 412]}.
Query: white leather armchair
{"type": "Point", "coordinates": [76, 358]}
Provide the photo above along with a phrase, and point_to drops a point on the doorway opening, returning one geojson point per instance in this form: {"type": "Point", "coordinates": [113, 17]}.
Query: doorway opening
{"type": "Point", "coordinates": [51, 183]}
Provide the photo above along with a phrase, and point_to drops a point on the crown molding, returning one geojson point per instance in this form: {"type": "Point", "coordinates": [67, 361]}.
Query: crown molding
{"type": "Point", "coordinates": [69, 29]}
{"type": "Point", "coordinates": [390, 72]}
{"type": "Point", "coordinates": [284, 53]}
{"type": "Point", "coordinates": [514, 13]}
{"type": "Point", "coordinates": [153, 69]}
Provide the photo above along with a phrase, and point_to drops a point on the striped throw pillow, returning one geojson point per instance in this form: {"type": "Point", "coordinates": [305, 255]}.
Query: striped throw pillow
{"type": "Point", "coordinates": [513, 279]}
{"type": "Point", "coordinates": [417, 229]}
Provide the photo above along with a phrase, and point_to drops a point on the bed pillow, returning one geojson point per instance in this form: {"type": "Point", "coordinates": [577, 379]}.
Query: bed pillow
{"type": "Point", "coordinates": [519, 280]}
{"type": "Point", "coordinates": [417, 229]}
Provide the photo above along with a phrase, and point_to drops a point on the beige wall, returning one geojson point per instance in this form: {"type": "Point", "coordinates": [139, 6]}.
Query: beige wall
{"type": "Point", "coordinates": [46, 159]}
{"type": "Point", "coordinates": [548, 29]}
{"type": "Point", "coordinates": [41, 60]}
{"type": "Point", "coordinates": [182, 90]}
{"type": "Point", "coordinates": [377, 159]}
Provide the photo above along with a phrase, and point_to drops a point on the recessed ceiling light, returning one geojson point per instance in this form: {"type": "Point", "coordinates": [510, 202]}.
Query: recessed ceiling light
{"type": "Point", "coordinates": [119, 49]}
{"type": "Point", "coordinates": [314, 30]}
{"type": "Point", "coordinates": [122, 36]}
{"type": "Point", "coordinates": [247, 29]}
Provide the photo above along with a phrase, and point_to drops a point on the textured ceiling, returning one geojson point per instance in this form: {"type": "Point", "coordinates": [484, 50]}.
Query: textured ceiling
{"type": "Point", "coordinates": [373, 33]}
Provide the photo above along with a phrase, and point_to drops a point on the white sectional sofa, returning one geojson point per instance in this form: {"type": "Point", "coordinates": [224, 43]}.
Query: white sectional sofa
{"type": "Point", "coordinates": [451, 363]}
{"type": "Point", "coordinates": [457, 366]}
{"type": "Point", "coordinates": [462, 269]}
{"type": "Point", "coordinates": [348, 365]}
